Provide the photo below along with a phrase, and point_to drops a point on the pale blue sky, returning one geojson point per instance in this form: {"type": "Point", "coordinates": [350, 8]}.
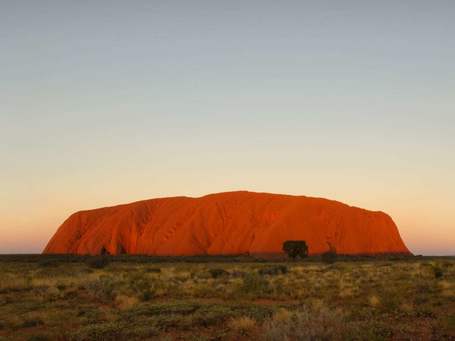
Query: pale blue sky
{"type": "Point", "coordinates": [103, 102]}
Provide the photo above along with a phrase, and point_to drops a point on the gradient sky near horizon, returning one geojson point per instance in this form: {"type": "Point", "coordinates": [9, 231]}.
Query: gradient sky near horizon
{"type": "Point", "coordinates": [107, 102]}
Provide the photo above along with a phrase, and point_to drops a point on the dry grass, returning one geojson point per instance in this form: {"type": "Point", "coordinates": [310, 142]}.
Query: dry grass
{"type": "Point", "coordinates": [374, 301]}
{"type": "Point", "coordinates": [306, 324]}
{"type": "Point", "coordinates": [243, 325]}
{"type": "Point", "coordinates": [229, 301]}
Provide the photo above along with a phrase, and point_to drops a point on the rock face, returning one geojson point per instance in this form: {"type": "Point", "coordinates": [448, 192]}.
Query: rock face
{"type": "Point", "coordinates": [227, 224]}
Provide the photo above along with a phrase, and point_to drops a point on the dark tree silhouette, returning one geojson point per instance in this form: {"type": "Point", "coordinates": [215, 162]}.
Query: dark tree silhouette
{"type": "Point", "coordinates": [295, 248]}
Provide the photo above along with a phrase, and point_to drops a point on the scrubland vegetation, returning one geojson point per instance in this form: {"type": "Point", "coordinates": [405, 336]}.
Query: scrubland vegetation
{"type": "Point", "coordinates": [64, 298]}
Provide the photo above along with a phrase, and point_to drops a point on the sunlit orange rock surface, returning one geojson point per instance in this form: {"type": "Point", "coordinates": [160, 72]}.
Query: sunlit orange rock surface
{"type": "Point", "coordinates": [227, 224]}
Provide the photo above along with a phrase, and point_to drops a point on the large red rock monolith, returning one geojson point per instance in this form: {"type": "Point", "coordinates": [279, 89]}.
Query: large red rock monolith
{"type": "Point", "coordinates": [227, 224]}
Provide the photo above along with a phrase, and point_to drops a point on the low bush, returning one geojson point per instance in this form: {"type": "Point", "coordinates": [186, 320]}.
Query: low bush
{"type": "Point", "coordinates": [48, 262]}
{"type": "Point", "coordinates": [216, 273]}
{"type": "Point", "coordinates": [97, 262]}
{"type": "Point", "coordinates": [142, 286]}
{"type": "Point", "coordinates": [237, 273]}
{"type": "Point", "coordinates": [438, 271]}
{"type": "Point", "coordinates": [242, 325]}
{"type": "Point", "coordinates": [255, 285]}
{"type": "Point", "coordinates": [104, 331]}
{"type": "Point", "coordinates": [295, 248]}
{"type": "Point", "coordinates": [102, 288]}
{"type": "Point", "coordinates": [31, 323]}
{"type": "Point", "coordinates": [39, 337]}
{"type": "Point", "coordinates": [153, 270]}
{"type": "Point", "coordinates": [209, 315]}
{"type": "Point", "coordinates": [329, 257]}
{"type": "Point", "coordinates": [275, 270]}
{"type": "Point", "coordinates": [322, 324]}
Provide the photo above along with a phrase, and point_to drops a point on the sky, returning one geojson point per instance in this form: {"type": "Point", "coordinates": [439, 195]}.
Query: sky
{"type": "Point", "coordinates": [108, 102]}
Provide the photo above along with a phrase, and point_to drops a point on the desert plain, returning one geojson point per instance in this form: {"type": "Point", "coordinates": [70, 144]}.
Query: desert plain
{"type": "Point", "coordinates": [65, 297]}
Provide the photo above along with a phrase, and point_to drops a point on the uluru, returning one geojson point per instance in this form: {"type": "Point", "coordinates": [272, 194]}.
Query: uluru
{"type": "Point", "coordinates": [231, 223]}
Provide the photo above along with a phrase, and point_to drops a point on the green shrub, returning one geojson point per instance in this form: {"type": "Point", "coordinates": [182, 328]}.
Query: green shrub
{"type": "Point", "coordinates": [295, 248]}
